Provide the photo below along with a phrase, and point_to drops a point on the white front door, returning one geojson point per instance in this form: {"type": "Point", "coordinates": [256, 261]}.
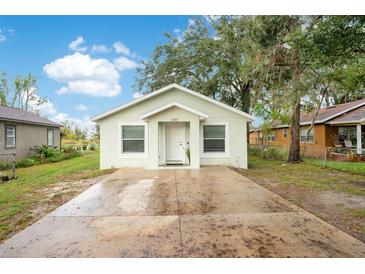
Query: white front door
{"type": "Point", "coordinates": [175, 142]}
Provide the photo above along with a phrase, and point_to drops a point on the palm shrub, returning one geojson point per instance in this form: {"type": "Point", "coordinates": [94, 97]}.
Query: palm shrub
{"type": "Point", "coordinates": [43, 152]}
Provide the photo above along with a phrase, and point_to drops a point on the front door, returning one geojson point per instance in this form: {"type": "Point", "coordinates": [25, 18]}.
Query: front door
{"type": "Point", "coordinates": [175, 141]}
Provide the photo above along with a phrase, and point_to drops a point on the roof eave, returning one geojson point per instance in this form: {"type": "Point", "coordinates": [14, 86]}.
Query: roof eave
{"type": "Point", "coordinates": [156, 92]}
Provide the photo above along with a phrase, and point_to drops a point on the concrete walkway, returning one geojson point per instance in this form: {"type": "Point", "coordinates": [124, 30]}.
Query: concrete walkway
{"type": "Point", "coordinates": [211, 212]}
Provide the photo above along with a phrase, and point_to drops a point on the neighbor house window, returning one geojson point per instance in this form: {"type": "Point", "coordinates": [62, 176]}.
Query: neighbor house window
{"type": "Point", "coordinates": [303, 135]}
{"type": "Point", "coordinates": [214, 137]}
{"type": "Point", "coordinates": [10, 139]}
{"type": "Point", "coordinates": [133, 139]}
{"type": "Point", "coordinates": [50, 137]}
{"type": "Point", "coordinates": [271, 136]}
{"type": "Point", "coordinates": [285, 132]}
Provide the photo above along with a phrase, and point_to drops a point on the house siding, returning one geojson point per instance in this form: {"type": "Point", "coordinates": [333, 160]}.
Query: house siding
{"type": "Point", "coordinates": [324, 136]}
{"type": "Point", "coordinates": [27, 136]}
{"type": "Point", "coordinates": [109, 137]}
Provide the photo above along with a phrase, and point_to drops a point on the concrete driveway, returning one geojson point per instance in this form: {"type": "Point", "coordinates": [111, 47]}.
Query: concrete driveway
{"type": "Point", "coordinates": [211, 212]}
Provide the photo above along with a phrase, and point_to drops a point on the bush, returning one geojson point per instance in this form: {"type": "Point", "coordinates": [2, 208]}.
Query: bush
{"type": "Point", "coordinates": [27, 162]}
{"type": "Point", "coordinates": [70, 152]}
{"type": "Point", "coordinates": [277, 154]}
{"type": "Point", "coordinates": [255, 151]}
{"type": "Point", "coordinates": [271, 152]}
{"type": "Point", "coordinates": [44, 152]}
{"type": "Point", "coordinates": [92, 147]}
{"type": "Point", "coordinates": [5, 165]}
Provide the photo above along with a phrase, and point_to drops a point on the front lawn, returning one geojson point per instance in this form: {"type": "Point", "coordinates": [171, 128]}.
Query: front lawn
{"type": "Point", "coordinates": [335, 196]}
{"type": "Point", "coordinates": [352, 167]}
{"type": "Point", "coordinates": [41, 188]}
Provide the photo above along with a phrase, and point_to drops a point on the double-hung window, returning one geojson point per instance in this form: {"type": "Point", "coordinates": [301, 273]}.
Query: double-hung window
{"type": "Point", "coordinates": [50, 137]}
{"type": "Point", "coordinates": [10, 137]}
{"type": "Point", "coordinates": [271, 136]}
{"type": "Point", "coordinates": [133, 139]}
{"type": "Point", "coordinates": [285, 132]}
{"type": "Point", "coordinates": [214, 138]}
{"type": "Point", "coordinates": [303, 135]}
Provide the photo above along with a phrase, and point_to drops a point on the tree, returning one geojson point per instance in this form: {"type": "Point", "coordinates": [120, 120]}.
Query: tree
{"type": "Point", "coordinates": [214, 59]}
{"type": "Point", "coordinates": [23, 94]}
{"type": "Point", "coordinates": [302, 52]}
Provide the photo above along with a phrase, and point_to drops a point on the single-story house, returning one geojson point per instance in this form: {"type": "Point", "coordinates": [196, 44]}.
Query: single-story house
{"type": "Point", "coordinates": [173, 126]}
{"type": "Point", "coordinates": [21, 130]}
{"type": "Point", "coordinates": [335, 126]}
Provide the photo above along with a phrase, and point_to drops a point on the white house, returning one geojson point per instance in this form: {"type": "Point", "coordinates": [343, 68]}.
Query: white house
{"type": "Point", "coordinates": [161, 128]}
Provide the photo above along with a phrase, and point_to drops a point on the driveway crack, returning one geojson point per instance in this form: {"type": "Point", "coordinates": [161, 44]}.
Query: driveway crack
{"type": "Point", "coordinates": [179, 216]}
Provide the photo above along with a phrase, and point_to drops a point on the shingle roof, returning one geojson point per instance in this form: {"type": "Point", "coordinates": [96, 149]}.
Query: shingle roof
{"type": "Point", "coordinates": [22, 116]}
{"type": "Point", "coordinates": [329, 113]}
{"type": "Point", "coordinates": [354, 116]}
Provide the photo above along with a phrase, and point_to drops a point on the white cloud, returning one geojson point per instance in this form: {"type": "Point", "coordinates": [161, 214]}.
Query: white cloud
{"type": "Point", "coordinates": [100, 48]}
{"type": "Point", "coordinates": [137, 95]}
{"type": "Point", "coordinates": [81, 107]}
{"type": "Point", "coordinates": [119, 47]}
{"type": "Point", "coordinates": [85, 75]}
{"type": "Point", "coordinates": [123, 63]}
{"type": "Point", "coordinates": [76, 45]}
{"type": "Point", "coordinates": [2, 36]}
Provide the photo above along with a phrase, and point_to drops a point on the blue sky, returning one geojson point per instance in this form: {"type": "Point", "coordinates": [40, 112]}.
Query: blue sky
{"type": "Point", "coordinates": [42, 45]}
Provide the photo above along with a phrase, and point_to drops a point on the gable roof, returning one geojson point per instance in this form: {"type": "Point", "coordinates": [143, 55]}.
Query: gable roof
{"type": "Point", "coordinates": [354, 116]}
{"type": "Point", "coordinates": [329, 113]}
{"type": "Point", "coordinates": [174, 104]}
{"type": "Point", "coordinates": [165, 89]}
{"type": "Point", "coordinates": [21, 116]}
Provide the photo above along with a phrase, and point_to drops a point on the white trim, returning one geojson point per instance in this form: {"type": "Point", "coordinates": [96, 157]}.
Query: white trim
{"type": "Point", "coordinates": [164, 89]}
{"type": "Point", "coordinates": [358, 139]}
{"type": "Point", "coordinates": [174, 104]}
{"type": "Point", "coordinates": [132, 155]}
{"type": "Point", "coordinates": [347, 122]}
{"type": "Point", "coordinates": [224, 154]}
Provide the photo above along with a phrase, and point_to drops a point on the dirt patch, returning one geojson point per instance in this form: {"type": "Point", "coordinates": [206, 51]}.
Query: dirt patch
{"type": "Point", "coordinates": [337, 208]}
{"type": "Point", "coordinates": [48, 199]}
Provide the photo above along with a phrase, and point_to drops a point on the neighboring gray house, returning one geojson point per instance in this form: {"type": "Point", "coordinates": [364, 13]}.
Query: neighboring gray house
{"type": "Point", "coordinates": [21, 130]}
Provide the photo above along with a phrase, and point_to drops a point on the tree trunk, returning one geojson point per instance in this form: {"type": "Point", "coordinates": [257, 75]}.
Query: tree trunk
{"type": "Point", "coordinates": [246, 97]}
{"type": "Point", "coordinates": [294, 149]}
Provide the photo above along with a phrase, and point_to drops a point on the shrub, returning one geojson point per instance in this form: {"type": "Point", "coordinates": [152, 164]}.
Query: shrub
{"type": "Point", "coordinates": [5, 165]}
{"type": "Point", "coordinates": [255, 151]}
{"type": "Point", "coordinates": [27, 162]}
{"type": "Point", "coordinates": [92, 147]}
{"type": "Point", "coordinates": [70, 152]}
{"type": "Point", "coordinates": [44, 152]}
{"type": "Point", "coordinates": [277, 154]}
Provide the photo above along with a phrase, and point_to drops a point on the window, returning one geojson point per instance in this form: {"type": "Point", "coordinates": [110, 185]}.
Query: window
{"type": "Point", "coordinates": [133, 139]}
{"type": "Point", "coordinates": [50, 137]}
{"type": "Point", "coordinates": [303, 135]}
{"type": "Point", "coordinates": [10, 139]}
{"type": "Point", "coordinates": [214, 138]}
{"type": "Point", "coordinates": [285, 132]}
{"type": "Point", "coordinates": [271, 136]}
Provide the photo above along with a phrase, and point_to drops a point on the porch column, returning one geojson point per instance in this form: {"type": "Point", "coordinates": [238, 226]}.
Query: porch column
{"type": "Point", "coordinates": [194, 143]}
{"type": "Point", "coordinates": [153, 144]}
{"type": "Point", "coordinates": [358, 139]}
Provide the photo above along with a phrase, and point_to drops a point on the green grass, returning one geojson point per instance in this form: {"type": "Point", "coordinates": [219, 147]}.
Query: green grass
{"type": "Point", "coordinates": [304, 175]}
{"type": "Point", "coordinates": [19, 197]}
{"type": "Point", "coordinates": [351, 167]}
